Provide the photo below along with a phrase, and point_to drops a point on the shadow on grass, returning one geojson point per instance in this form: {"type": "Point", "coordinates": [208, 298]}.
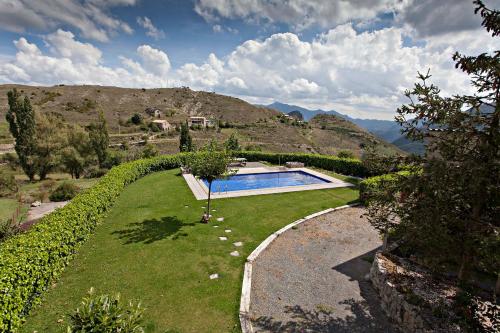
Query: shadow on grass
{"type": "Point", "coordinates": [150, 231]}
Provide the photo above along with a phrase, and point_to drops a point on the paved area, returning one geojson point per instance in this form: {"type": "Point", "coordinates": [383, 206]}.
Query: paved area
{"type": "Point", "coordinates": [312, 278]}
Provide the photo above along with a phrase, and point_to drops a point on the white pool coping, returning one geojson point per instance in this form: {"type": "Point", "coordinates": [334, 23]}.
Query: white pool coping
{"type": "Point", "coordinates": [200, 190]}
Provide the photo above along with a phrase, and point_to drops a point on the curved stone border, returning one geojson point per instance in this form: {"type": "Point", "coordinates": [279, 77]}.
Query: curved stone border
{"type": "Point", "coordinates": [246, 324]}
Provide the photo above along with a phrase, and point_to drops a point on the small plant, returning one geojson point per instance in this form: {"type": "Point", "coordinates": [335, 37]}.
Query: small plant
{"type": "Point", "coordinates": [65, 191]}
{"type": "Point", "coordinates": [106, 314]}
{"type": "Point", "coordinates": [136, 119]}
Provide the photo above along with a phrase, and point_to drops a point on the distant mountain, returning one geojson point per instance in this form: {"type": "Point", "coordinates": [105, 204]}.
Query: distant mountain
{"type": "Point", "coordinates": [387, 130]}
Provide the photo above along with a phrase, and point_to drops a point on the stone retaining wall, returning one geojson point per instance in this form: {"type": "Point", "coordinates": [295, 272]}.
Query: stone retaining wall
{"type": "Point", "coordinates": [397, 308]}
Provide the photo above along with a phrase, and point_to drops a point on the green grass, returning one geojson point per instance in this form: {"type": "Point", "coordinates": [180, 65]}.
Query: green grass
{"type": "Point", "coordinates": [151, 248]}
{"type": "Point", "coordinates": [7, 208]}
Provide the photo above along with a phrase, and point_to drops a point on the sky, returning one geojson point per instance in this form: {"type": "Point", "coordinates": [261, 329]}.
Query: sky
{"type": "Point", "coordinates": [354, 56]}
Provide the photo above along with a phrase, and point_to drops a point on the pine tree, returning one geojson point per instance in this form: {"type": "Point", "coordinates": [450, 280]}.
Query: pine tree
{"type": "Point", "coordinates": [21, 119]}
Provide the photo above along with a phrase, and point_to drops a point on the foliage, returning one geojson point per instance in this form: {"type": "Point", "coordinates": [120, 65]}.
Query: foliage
{"type": "Point", "coordinates": [345, 166]}
{"type": "Point", "coordinates": [450, 209]}
{"type": "Point", "coordinates": [149, 151]}
{"type": "Point", "coordinates": [8, 229]}
{"type": "Point", "coordinates": [379, 164]}
{"type": "Point", "coordinates": [113, 158]}
{"type": "Point", "coordinates": [136, 119]}
{"type": "Point", "coordinates": [8, 184]}
{"type": "Point", "coordinates": [65, 191]}
{"type": "Point", "coordinates": [78, 154]}
{"type": "Point", "coordinates": [21, 119]}
{"type": "Point", "coordinates": [99, 138]}
{"type": "Point", "coordinates": [369, 187]}
{"type": "Point", "coordinates": [106, 314]}
{"type": "Point", "coordinates": [11, 159]}
{"type": "Point", "coordinates": [29, 262]}
{"type": "Point", "coordinates": [209, 164]}
{"type": "Point", "coordinates": [345, 154]}
{"type": "Point", "coordinates": [185, 141]}
{"type": "Point", "coordinates": [232, 143]}
{"type": "Point", "coordinates": [49, 140]}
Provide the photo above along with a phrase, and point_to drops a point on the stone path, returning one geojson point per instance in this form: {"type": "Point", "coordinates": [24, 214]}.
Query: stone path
{"type": "Point", "coordinates": [312, 278]}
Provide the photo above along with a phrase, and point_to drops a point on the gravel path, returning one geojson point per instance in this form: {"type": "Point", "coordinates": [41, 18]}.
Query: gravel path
{"type": "Point", "coordinates": [312, 278]}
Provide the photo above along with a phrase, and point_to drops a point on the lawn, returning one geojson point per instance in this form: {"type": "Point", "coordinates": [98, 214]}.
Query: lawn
{"type": "Point", "coordinates": [7, 208]}
{"type": "Point", "coordinates": [152, 248]}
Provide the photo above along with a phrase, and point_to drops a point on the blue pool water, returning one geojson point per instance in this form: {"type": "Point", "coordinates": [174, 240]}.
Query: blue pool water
{"type": "Point", "coordinates": [264, 180]}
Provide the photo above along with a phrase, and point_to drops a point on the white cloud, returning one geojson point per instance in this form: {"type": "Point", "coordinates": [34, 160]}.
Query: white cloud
{"type": "Point", "coordinates": [73, 62]}
{"type": "Point", "coordinates": [90, 17]}
{"type": "Point", "coordinates": [155, 61]}
{"type": "Point", "coordinates": [299, 14]}
{"type": "Point", "coordinates": [63, 44]}
{"type": "Point", "coordinates": [217, 28]}
{"type": "Point", "coordinates": [361, 74]}
{"type": "Point", "coordinates": [152, 31]}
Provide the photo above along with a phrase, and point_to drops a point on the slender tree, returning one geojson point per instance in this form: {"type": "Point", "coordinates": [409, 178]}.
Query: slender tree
{"type": "Point", "coordinates": [185, 141]}
{"type": "Point", "coordinates": [21, 119]}
{"type": "Point", "coordinates": [50, 138]}
{"type": "Point", "coordinates": [99, 138]}
{"type": "Point", "coordinates": [209, 164]}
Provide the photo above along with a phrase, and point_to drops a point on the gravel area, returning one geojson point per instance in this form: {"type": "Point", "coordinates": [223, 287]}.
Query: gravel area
{"type": "Point", "coordinates": [313, 278]}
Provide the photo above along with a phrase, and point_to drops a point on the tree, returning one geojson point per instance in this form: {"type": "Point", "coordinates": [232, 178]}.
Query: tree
{"type": "Point", "coordinates": [232, 143]}
{"type": "Point", "coordinates": [78, 154]}
{"type": "Point", "coordinates": [21, 119]}
{"type": "Point", "coordinates": [186, 142]}
{"type": "Point", "coordinates": [99, 138]}
{"type": "Point", "coordinates": [136, 119]}
{"type": "Point", "coordinates": [451, 200]}
{"type": "Point", "coordinates": [209, 164]}
{"type": "Point", "coordinates": [149, 151]}
{"type": "Point", "coordinates": [49, 141]}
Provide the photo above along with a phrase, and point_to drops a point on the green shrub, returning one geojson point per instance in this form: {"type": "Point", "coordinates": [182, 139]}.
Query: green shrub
{"type": "Point", "coordinates": [346, 166]}
{"type": "Point", "coordinates": [65, 191]}
{"type": "Point", "coordinates": [30, 261]}
{"type": "Point", "coordinates": [345, 154]}
{"type": "Point", "coordinates": [106, 314]}
{"type": "Point", "coordinates": [370, 185]}
{"type": "Point", "coordinates": [8, 184]}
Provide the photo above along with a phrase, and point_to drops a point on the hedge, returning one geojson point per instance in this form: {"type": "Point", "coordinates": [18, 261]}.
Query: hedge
{"type": "Point", "coordinates": [372, 184]}
{"type": "Point", "coordinates": [29, 262]}
{"type": "Point", "coordinates": [345, 166]}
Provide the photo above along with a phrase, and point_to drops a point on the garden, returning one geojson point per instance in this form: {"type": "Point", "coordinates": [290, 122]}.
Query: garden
{"type": "Point", "coordinates": [151, 247]}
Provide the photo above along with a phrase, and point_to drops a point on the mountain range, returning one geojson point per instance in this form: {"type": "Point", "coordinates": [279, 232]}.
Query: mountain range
{"type": "Point", "coordinates": [388, 130]}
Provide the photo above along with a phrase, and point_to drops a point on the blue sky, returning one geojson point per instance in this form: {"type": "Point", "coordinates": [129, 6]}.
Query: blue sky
{"type": "Point", "coordinates": [353, 56]}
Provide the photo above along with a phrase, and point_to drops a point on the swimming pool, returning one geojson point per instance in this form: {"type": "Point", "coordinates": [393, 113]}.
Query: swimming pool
{"type": "Point", "coordinates": [265, 180]}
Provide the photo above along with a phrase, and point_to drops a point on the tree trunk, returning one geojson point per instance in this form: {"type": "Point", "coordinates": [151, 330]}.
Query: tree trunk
{"type": "Point", "coordinates": [384, 244]}
{"type": "Point", "coordinates": [209, 193]}
{"type": "Point", "coordinates": [463, 273]}
{"type": "Point", "coordinates": [497, 289]}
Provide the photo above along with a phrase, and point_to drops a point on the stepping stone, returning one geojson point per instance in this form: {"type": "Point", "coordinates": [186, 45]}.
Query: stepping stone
{"type": "Point", "coordinates": [213, 210]}
{"type": "Point", "coordinates": [216, 226]}
{"type": "Point", "coordinates": [186, 206]}
{"type": "Point", "coordinates": [228, 230]}
{"type": "Point", "coordinates": [223, 238]}
{"type": "Point", "coordinates": [235, 254]}
{"type": "Point", "coordinates": [203, 207]}
{"type": "Point", "coordinates": [220, 219]}
{"type": "Point", "coordinates": [214, 276]}
{"type": "Point", "coordinates": [238, 244]}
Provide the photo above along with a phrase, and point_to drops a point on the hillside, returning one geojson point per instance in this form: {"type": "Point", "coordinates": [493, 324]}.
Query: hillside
{"type": "Point", "coordinates": [257, 127]}
{"type": "Point", "coordinates": [388, 130]}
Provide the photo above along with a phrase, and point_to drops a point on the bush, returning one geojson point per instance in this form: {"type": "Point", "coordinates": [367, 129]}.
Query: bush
{"type": "Point", "coordinates": [106, 314]}
{"type": "Point", "coordinates": [371, 185]}
{"type": "Point", "coordinates": [95, 172]}
{"type": "Point", "coordinates": [65, 191]}
{"type": "Point", "coordinates": [345, 154]}
{"type": "Point", "coordinates": [346, 166]}
{"type": "Point", "coordinates": [31, 261]}
{"type": "Point", "coordinates": [136, 119]}
{"type": "Point", "coordinates": [8, 184]}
